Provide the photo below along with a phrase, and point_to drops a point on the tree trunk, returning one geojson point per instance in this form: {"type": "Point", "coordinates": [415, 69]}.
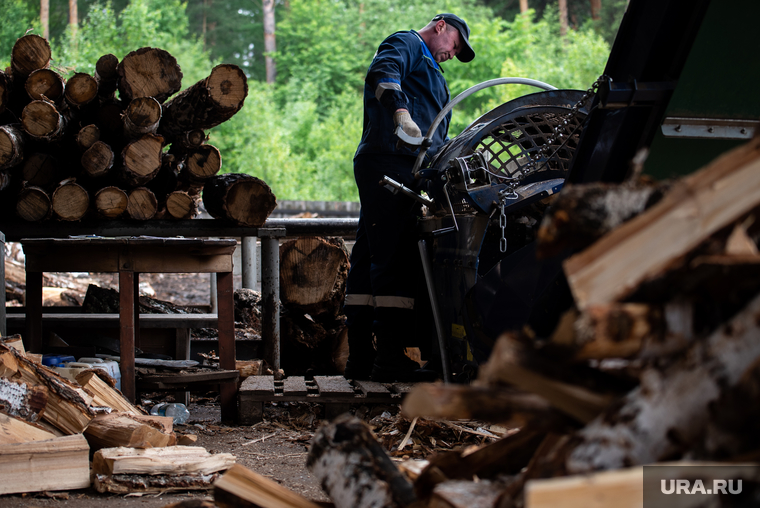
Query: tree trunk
{"type": "Point", "coordinates": [563, 18]}
{"type": "Point", "coordinates": [523, 5]}
{"type": "Point", "coordinates": [98, 160]}
{"type": "Point", "coordinates": [81, 89]}
{"type": "Point", "coordinates": [45, 83]}
{"type": "Point", "coordinates": [142, 204]}
{"type": "Point", "coordinates": [596, 9]}
{"type": "Point", "coordinates": [141, 160]}
{"type": "Point", "coordinates": [207, 103]}
{"type": "Point", "coordinates": [73, 18]}
{"type": "Point", "coordinates": [243, 199]}
{"type": "Point", "coordinates": [43, 121]}
{"type": "Point", "coordinates": [270, 45]}
{"type": "Point", "coordinates": [45, 18]}
{"type": "Point", "coordinates": [149, 72]}
{"type": "Point", "coordinates": [70, 201]}
{"type": "Point", "coordinates": [106, 75]}
{"type": "Point", "coordinates": [111, 202]}
{"type": "Point", "coordinates": [33, 204]}
{"type": "Point", "coordinates": [141, 117]}
{"type": "Point", "coordinates": [11, 146]}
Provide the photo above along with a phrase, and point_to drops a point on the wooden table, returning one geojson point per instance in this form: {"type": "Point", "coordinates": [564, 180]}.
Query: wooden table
{"type": "Point", "coordinates": [130, 256]}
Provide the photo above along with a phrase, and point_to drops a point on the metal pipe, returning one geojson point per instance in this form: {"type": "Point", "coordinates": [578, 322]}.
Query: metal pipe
{"type": "Point", "coordinates": [442, 345]}
{"type": "Point", "coordinates": [248, 261]}
{"type": "Point", "coordinates": [213, 301]}
{"type": "Point", "coordinates": [270, 296]}
{"type": "Point", "coordinates": [456, 100]}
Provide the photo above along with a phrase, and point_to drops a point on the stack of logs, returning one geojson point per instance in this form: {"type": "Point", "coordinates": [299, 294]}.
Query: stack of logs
{"type": "Point", "coordinates": [77, 150]}
{"type": "Point", "coordinates": [657, 360]}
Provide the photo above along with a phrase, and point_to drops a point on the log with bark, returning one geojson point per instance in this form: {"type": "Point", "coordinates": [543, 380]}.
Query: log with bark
{"type": "Point", "coordinates": [141, 160]}
{"type": "Point", "coordinates": [131, 431]}
{"type": "Point", "coordinates": [45, 84]}
{"type": "Point", "coordinates": [242, 199]}
{"type": "Point", "coordinates": [70, 201]}
{"type": "Point", "coordinates": [12, 143]}
{"type": "Point", "coordinates": [33, 204]}
{"type": "Point", "coordinates": [111, 202]}
{"type": "Point", "coordinates": [142, 204]}
{"type": "Point", "coordinates": [43, 121]}
{"type": "Point", "coordinates": [141, 117]}
{"type": "Point", "coordinates": [148, 72]}
{"type": "Point", "coordinates": [97, 160]}
{"type": "Point", "coordinates": [81, 89]}
{"type": "Point", "coordinates": [106, 75]}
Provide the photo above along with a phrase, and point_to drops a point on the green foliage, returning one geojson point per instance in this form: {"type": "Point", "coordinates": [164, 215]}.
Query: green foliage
{"type": "Point", "coordinates": [18, 17]}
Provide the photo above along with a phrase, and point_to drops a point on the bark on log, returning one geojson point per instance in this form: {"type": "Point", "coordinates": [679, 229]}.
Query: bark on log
{"type": "Point", "coordinates": [106, 75]}
{"type": "Point", "coordinates": [111, 202]}
{"type": "Point", "coordinates": [181, 205]}
{"type": "Point", "coordinates": [12, 142]}
{"type": "Point", "coordinates": [81, 89]}
{"type": "Point", "coordinates": [30, 52]}
{"type": "Point", "coordinates": [22, 400]}
{"type": "Point", "coordinates": [87, 136]}
{"type": "Point", "coordinates": [141, 160]}
{"type": "Point", "coordinates": [97, 160]}
{"type": "Point", "coordinates": [644, 428]}
{"type": "Point", "coordinates": [243, 199]}
{"type": "Point", "coordinates": [354, 469]}
{"type": "Point", "coordinates": [142, 204]}
{"type": "Point", "coordinates": [157, 484]}
{"type": "Point", "coordinates": [141, 117]}
{"type": "Point", "coordinates": [122, 430]}
{"type": "Point", "coordinates": [149, 72]}
{"type": "Point", "coordinates": [45, 84]}
{"type": "Point", "coordinates": [70, 201]}
{"type": "Point", "coordinates": [43, 121]}
{"type": "Point", "coordinates": [207, 103]}
{"type": "Point", "coordinates": [33, 204]}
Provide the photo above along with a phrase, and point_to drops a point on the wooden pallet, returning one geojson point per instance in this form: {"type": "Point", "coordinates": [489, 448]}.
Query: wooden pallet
{"type": "Point", "coordinates": [335, 392]}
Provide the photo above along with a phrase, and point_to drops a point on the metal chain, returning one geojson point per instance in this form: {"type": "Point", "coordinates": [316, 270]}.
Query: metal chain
{"type": "Point", "coordinates": [503, 225]}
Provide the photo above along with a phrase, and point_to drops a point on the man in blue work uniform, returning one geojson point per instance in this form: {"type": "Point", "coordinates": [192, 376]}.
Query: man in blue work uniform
{"type": "Point", "coordinates": [404, 87]}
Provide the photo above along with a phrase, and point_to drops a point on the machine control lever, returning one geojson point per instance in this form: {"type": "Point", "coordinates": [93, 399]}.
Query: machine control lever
{"type": "Point", "coordinates": [396, 187]}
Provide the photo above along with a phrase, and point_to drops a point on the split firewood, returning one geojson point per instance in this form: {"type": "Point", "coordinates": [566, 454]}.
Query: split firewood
{"type": "Point", "coordinates": [141, 160]}
{"type": "Point", "coordinates": [124, 430]}
{"type": "Point", "coordinates": [160, 461]}
{"type": "Point", "coordinates": [141, 117]}
{"type": "Point", "coordinates": [81, 89]}
{"type": "Point", "coordinates": [354, 469]}
{"type": "Point", "coordinates": [62, 463]}
{"type": "Point", "coordinates": [41, 170]}
{"type": "Point", "coordinates": [149, 72]}
{"type": "Point", "coordinates": [70, 201]}
{"type": "Point", "coordinates": [153, 484]}
{"type": "Point", "coordinates": [643, 427]}
{"type": "Point", "coordinates": [98, 159]}
{"type": "Point", "coordinates": [11, 146]}
{"type": "Point", "coordinates": [33, 204]}
{"type": "Point", "coordinates": [16, 430]}
{"type": "Point", "coordinates": [111, 202]}
{"type": "Point", "coordinates": [243, 199]}
{"type": "Point", "coordinates": [691, 211]}
{"type": "Point", "coordinates": [207, 103]}
{"type": "Point", "coordinates": [106, 75]}
{"type": "Point", "coordinates": [22, 400]}
{"type": "Point", "coordinates": [242, 487]}
{"type": "Point", "coordinates": [104, 393]}
{"type": "Point", "coordinates": [42, 120]}
{"type": "Point", "coordinates": [45, 84]}
{"type": "Point", "coordinates": [142, 204]}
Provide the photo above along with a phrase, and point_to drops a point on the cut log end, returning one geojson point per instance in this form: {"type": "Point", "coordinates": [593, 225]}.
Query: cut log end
{"type": "Point", "coordinates": [33, 204]}
{"type": "Point", "coordinates": [44, 83]}
{"type": "Point", "coordinates": [31, 52]}
{"type": "Point", "coordinates": [142, 204]}
{"type": "Point", "coordinates": [41, 119]}
{"type": "Point", "coordinates": [204, 162]}
{"type": "Point", "coordinates": [111, 202]}
{"type": "Point", "coordinates": [149, 72]}
{"type": "Point", "coordinates": [81, 89]}
{"type": "Point", "coordinates": [98, 159]}
{"type": "Point", "coordinates": [142, 159]}
{"type": "Point", "coordinates": [70, 201]}
{"type": "Point", "coordinates": [227, 86]}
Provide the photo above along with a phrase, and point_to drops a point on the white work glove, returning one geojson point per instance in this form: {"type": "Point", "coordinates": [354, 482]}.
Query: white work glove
{"type": "Point", "coordinates": [402, 118]}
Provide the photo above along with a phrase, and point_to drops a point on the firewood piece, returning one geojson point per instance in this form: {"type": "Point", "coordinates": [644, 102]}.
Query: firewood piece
{"type": "Point", "coordinates": [41, 170]}
{"type": "Point", "coordinates": [87, 136]}
{"type": "Point", "coordinates": [142, 204]}
{"type": "Point", "coordinates": [16, 430]}
{"type": "Point", "coordinates": [243, 199]}
{"type": "Point", "coordinates": [62, 463]}
{"type": "Point", "coordinates": [154, 484]}
{"type": "Point", "coordinates": [181, 205]}
{"type": "Point", "coordinates": [106, 75]}
{"type": "Point", "coordinates": [70, 201]}
{"type": "Point", "coordinates": [248, 368]}
{"type": "Point", "coordinates": [643, 428]}
{"type": "Point", "coordinates": [98, 159]}
{"type": "Point", "coordinates": [506, 365]}
{"type": "Point", "coordinates": [156, 461]}
{"type": "Point", "coordinates": [43, 121]}
{"type": "Point", "coordinates": [201, 164]}
{"type": "Point", "coordinates": [149, 72]}
{"type": "Point", "coordinates": [354, 469]}
{"type": "Point", "coordinates": [313, 274]}
{"type": "Point", "coordinates": [68, 406]}
{"type": "Point", "coordinates": [141, 160]}
{"type": "Point", "coordinates": [623, 488]}
{"type": "Point", "coordinates": [45, 84]}
{"type": "Point", "coordinates": [22, 400]}
{"type": "Point", "coordinates": [33, 204]}
{"type": "Point", "coordinates": [81, 89]}
{"type": "Point", "coordinates": [581, 214]}
{"type": "Point", "coordinates": [471, 402]}
{"type": "Point", "coordinates": [692, 210]}
{"type": "Point", "coordinates": [466, 494]}
{"type": "Point", "coordinates": [241, 487]}
{"type": "Point", "coordinates": [121, 429]}
{"type": "Point", "coordinates": [11, 146]}
{"type": "Point", "coordinates": [207, 103]}
{"type": "Point", "coordinates": [111, 202]}
{"type": "Point", "coordinates": [30, 52]}
{"type": "Point", "coordinates": [103, 394]}
{"type": "Point", "coordinates": [141, 117]}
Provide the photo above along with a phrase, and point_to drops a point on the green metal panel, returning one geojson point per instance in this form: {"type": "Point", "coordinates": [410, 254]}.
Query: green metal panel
{"type": "Point", "coordinates": [720, 80]}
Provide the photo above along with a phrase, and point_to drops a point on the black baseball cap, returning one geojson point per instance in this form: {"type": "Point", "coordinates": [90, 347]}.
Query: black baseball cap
{"type": "Point", "coordinates": [467, 54]}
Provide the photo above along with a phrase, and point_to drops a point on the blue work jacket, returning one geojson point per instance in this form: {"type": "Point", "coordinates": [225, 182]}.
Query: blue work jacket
{"type": "Point", "coordinates": [403, 74]}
